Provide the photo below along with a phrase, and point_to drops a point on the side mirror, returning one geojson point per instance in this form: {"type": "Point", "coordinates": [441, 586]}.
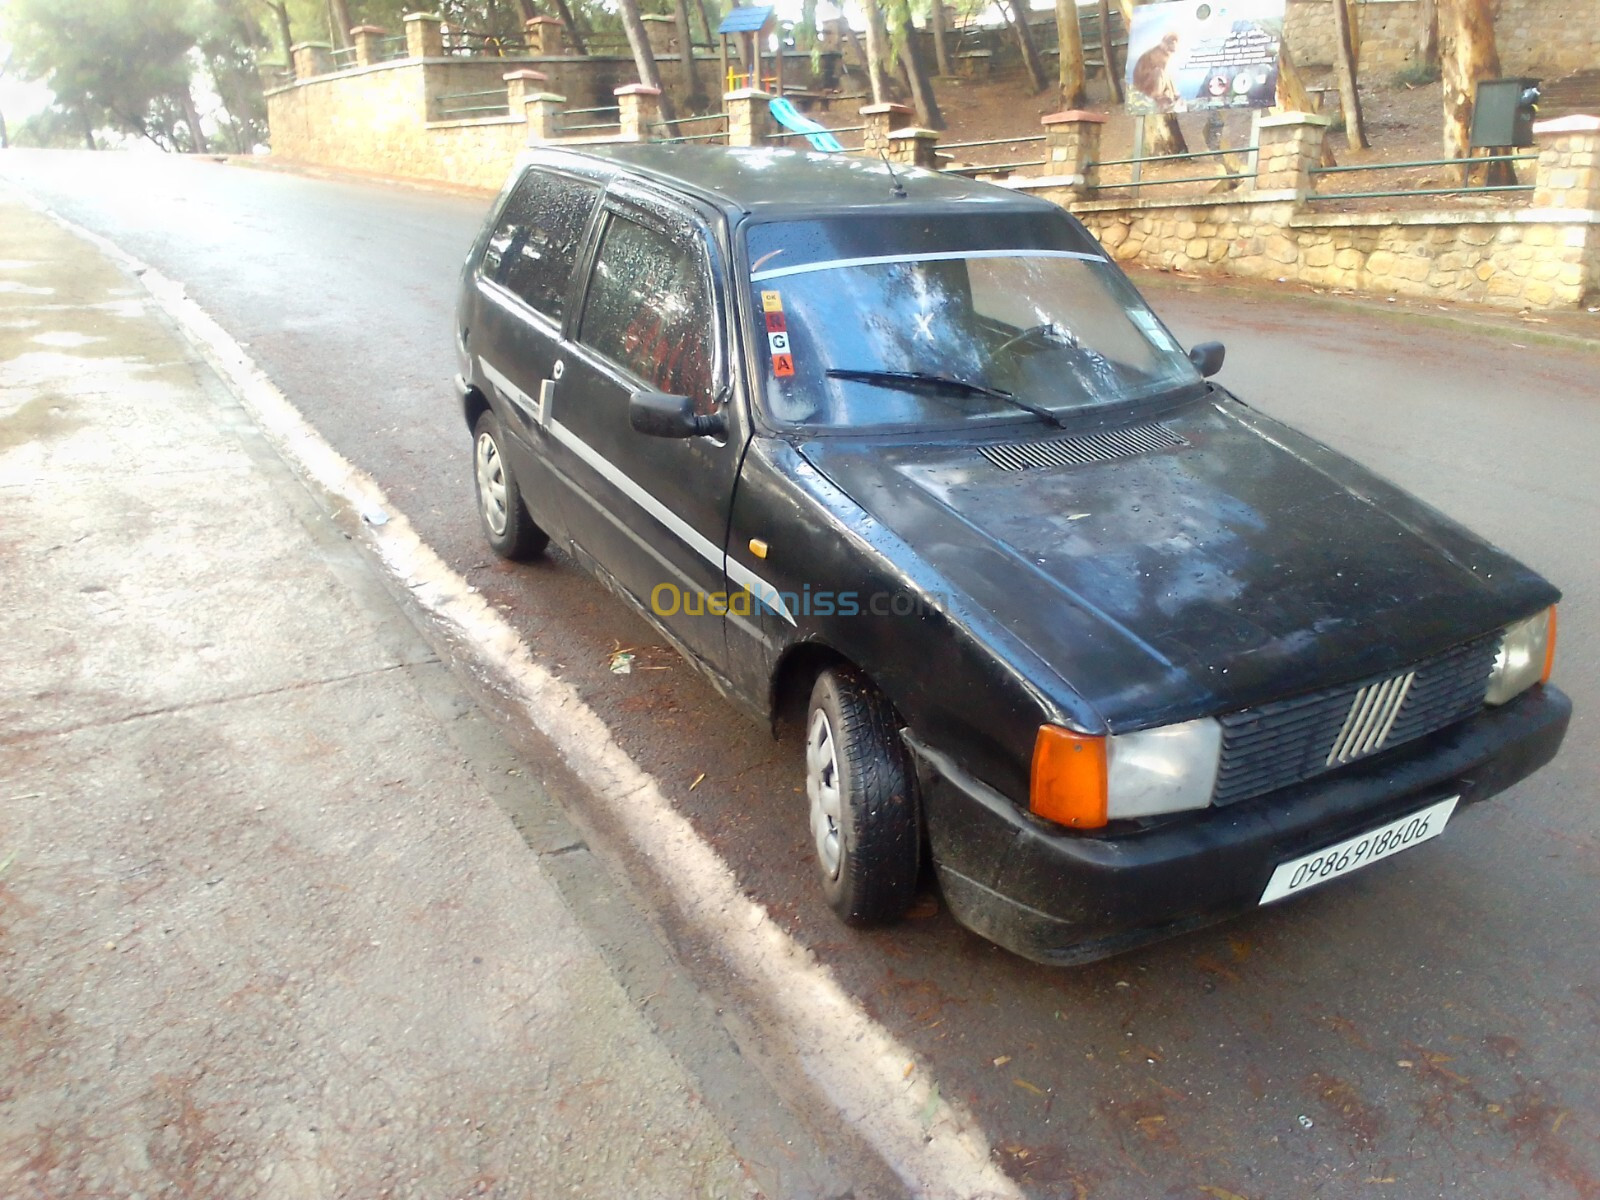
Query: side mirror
{"type": "Point", "coordinates": [1207, 357]}
{"type": "Point", "coordinates": [660, 414]}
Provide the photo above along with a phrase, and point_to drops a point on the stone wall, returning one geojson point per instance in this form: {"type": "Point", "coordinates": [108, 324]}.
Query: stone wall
{"type": "Point", "coordinates": [1544, 256]}
{"type": "Point", "coordinates": [1505, 259]}
{"type": "Point", "coordinates": [377, 119]}
{"type": "Point", "coordinates": [1542, 38]}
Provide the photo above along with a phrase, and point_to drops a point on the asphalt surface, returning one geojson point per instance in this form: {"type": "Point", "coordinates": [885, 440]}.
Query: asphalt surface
{"type": "Point", "coordinates": [1427, 1027]}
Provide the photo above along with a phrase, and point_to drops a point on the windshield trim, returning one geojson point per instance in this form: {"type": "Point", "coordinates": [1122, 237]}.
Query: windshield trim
{"type": "Point", "coordinates": [932, 256]}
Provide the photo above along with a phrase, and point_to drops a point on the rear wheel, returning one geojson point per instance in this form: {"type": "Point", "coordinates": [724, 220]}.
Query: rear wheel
{"type": "Point", "coordinates": [506, 523]}
{"type": "Point", "coordinates": [862, 800]}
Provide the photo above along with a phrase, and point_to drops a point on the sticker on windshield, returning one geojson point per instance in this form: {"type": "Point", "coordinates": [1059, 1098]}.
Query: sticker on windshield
{"type": "Point", "coordinates": [1147, 321]}
{"type": "Point", "coordinates": [777, 334]}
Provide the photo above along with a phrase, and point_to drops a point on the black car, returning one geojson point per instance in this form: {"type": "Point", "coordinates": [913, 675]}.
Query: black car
{"type": "Point", "coordinates": [905, 461]}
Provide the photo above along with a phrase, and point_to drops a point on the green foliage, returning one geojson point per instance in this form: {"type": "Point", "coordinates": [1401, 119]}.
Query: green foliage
{"type": "Point", "coordinates": [1416, 74]}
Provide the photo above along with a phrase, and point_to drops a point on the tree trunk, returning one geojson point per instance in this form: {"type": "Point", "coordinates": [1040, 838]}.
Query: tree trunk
{"type": "Point", "coordinates": [941, 46]}
{"type": "Point", "coordinates": [691, 77]}
{"type": "Point", "coordinates": [1069, 40]}
{"type": "Point", "coordinates": [88, 129]}
{"type": "Point", "coordinates": [339, 23]}
{"type": "Point", "coordinates": [5, 138]}
{"type": "Point", "coordinates": [1467, 54]}
{"type": "Point", "coordinates": [1428, 34]}
{"type": "Point", "coordinates": [1344, 54]}
{"type": "Point", "coordinates": [191, 118]}
{"type": "Point", "coordinates": [1108, 57]}
{"type": "Point", "coordinates": [922, 97]}
{"type": "Point", "coordinates": [877, 53]}
{"type": "Point", "coordinates": [280, 14]}
{"type": "Point", "coordinates": [1292, 94]}
{"type": "Point", "coordinates": [705, 22]}
{"type": "Point", "coordinates": [1163, 135]}
{"type": "Point", "coordinates": [1016, 12]}
{"type": "Point", "coordinates": [644, 60]}
{"type": "Point", "coordinates": [1353, 16]}
{"type": "Point", "coordinates": [571, 26]}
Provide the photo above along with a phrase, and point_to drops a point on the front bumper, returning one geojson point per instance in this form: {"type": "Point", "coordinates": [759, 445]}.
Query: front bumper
{"type": "Point", "coordinates": [1063, 898]}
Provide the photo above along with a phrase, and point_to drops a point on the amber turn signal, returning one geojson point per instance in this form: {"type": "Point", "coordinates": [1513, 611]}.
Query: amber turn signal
{"type": "Point", "coordinates": [1549, 648]}
{"type": "Point", "coordinates": [1069, 778]}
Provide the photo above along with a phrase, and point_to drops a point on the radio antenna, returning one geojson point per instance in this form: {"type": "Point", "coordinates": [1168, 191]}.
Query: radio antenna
{"type": "Point", "coordinates": [896, 187]}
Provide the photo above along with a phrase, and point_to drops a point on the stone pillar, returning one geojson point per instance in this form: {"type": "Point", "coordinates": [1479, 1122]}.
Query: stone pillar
{"type": "Point", "coordinates": [423, 36]}
{"type": "Point", "coordinates": [311, 59]}
{"type": "Point", "coordinates": [547, 37]}
{"type": "Point", "coordinates": [661, 32]}
{"type": "Point", "coordinates": [881, 120]}
{"type": "Point", "coordinates": [914, 147]}
{"type": "Point", "coordinates": [749, 118]}
{"type": "Point", "coordinates": [640, 114]}
{"type": "Point", "coordinates": [520, 85]}
{"type": "Point", "coordinates": [1290, 145]}
{"type": "Point", "coordinates": [544, 115]}
{"type": "Point", "coordinates": [1567, 174]}
{"type": "Point", "coordinates": [1072, 146]}
{"type": "Point", "coordinates": [366, 40]}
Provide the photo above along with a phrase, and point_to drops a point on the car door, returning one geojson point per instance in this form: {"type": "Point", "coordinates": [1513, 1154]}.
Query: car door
{"type": "Point", "coordinates": [652, 512]}
{"type": "Point", "coordinates": [526, 286]}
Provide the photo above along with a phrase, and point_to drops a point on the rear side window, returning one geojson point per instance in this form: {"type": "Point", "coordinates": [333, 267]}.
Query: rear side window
{"type": "Point", "coordinates": [535, 244]}
{"type": "Point", "coordinates": [650, 310]}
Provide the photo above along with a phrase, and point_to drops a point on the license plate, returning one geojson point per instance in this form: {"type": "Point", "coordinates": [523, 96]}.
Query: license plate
{"type": "Point", "coordinates": [1362, 850]}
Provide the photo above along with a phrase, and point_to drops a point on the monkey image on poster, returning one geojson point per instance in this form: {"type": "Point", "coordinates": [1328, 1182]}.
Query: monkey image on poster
{"type": "Point", "coordinates": [1152, 74]}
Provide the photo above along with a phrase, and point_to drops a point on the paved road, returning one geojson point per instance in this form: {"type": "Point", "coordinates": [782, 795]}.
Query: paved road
{"type": "Point", "coordinates": [1426, 1028]}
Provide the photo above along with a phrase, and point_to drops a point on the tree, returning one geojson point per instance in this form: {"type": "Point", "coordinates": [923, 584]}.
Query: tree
{"type": "Point", "coordinates": [691, 78]}
{"type": "Point", "coordinates": [1016, 13]}
{"type": "Point", "coordinates": [1346, 48]}
{"type": "Point", "coordinates": [1069, 41]}
{"type": "Point", "coordinates": [941, 49]}
{"type": "Point", "coordinates": [1292, 95]}
{"type": "Point", "coordinates": [916, 71]}
{"type": "Point", "coordinates": [877, 53]}
{"type": "Point", "coordinates": [643, 57]}
{"type": "Point", "coordinates": [1428, 35]}
{"type": "Point", "coordinates": [1467, 54]}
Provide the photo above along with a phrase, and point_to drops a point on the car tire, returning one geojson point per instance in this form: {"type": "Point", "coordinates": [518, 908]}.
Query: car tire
{"type": "Point", "coordinates": [861, 797]}
{"type": "Point", "coordinates": [504, 517]}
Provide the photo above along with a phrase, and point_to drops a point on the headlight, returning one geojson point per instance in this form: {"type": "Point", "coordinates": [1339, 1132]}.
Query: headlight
{"type": "Point", "coordinates": [1083, 780]}
{"type": "Point", "coordinates": [1527, 652]}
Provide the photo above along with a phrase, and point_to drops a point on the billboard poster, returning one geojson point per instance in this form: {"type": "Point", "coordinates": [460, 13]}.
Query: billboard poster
{"type": "Point", "coordinates": [1198, 55]}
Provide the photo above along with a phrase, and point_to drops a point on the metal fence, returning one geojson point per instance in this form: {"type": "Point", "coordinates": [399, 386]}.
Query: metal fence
{"type": "Point", "coordinates": [993, 168]}
{"type": "Point", "coordinates": [387, 49]}
{"type": "Point", "coordinates": [1466, 188]}
{"type": "Point", "coordinates": [719, 134]}
{"type": "Point", "coordinates": [788, 136]}
{"type": "Point", "coordinates": [471, 44]}
{"type": "Point", "coordinates": [1137, 166]}
{"type": "Point", "coordinates": [462, 105]}
{"type": "Point", "coordinates": [615, 123]}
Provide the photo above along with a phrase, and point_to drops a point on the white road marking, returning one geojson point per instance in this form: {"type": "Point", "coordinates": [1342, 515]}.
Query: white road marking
{"type": "Point", "coordinates": [931, 1141]}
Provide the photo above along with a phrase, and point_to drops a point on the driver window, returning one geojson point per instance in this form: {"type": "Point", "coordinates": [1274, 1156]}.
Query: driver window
{"type": "Point", "coordinates": [649, 309]}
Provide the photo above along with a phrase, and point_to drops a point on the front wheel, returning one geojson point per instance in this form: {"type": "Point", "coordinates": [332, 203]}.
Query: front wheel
{"type": "Point", "coordinates": [506, 523]}
{"type": "Point", "coordinates": [862, 800]}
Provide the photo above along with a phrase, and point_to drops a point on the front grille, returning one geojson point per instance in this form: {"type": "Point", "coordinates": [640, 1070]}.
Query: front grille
{"type": "Point", "coordinates": [1088, 448]}
{"type": "Point", "coordinates": [1277, 744]}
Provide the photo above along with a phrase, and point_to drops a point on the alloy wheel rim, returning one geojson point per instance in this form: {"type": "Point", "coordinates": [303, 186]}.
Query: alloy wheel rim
{"type": "Point", "coordinates": [822, 790]}
{"type": "Point", "coordinates": [491, 484]}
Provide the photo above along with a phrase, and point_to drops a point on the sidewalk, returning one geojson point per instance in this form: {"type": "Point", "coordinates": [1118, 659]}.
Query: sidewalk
{"type": "Point", "coordinates": [263, 929]}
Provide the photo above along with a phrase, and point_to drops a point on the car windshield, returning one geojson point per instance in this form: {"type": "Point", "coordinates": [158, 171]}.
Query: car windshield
{"type": "Point", "coordinates": [946, 336]}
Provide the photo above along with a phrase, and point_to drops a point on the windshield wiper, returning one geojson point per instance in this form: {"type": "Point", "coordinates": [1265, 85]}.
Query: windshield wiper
{"type": "Point", "coordinates": [928, 381]}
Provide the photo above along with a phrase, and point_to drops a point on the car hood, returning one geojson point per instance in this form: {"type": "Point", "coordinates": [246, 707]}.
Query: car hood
{"type": "Point", "coordinates": [1245, 563]}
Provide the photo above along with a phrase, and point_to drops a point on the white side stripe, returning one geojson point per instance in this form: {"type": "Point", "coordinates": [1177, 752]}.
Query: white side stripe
{"type": "Point", "coordinates": [763, 591]}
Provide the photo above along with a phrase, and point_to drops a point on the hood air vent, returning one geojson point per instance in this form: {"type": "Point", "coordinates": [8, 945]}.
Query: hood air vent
{"type": "Point", "coordinates": [1075, 451]}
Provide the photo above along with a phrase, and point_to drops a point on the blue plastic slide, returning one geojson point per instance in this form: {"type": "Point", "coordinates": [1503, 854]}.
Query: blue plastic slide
{"type": "Point", "coordinates": [785, 113]}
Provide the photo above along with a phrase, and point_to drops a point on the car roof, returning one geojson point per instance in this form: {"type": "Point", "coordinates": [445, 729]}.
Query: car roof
{"type": "Point", "coordinates": [769, 180]}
